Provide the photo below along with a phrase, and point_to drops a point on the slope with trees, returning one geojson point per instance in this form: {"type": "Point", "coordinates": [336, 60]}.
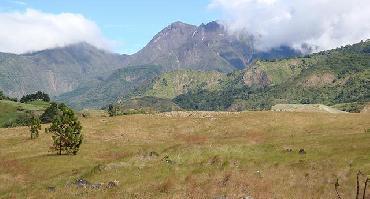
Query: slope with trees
{"type": "Point", "coordinates": [105, 91]}
{"type": "Point", "coordinates": [330, 77]}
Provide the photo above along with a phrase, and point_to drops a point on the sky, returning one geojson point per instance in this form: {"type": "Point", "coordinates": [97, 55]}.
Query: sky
{"type": "Point", "coordinates": [125, 26]}
{"type": "Point", "coordinates": [128, 24]}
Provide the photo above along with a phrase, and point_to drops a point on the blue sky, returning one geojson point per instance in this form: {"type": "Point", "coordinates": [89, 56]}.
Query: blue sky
{"type": "Point", "coordinates": [130, 22]}
{"type": "Point", "coordinates": [125, 26]}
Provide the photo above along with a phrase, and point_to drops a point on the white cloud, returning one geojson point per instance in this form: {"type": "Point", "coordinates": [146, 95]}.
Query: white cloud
{"type": "Point", "coordinates": [21, 3]}
{"type": "Point", "coordinates": [323, 23]}
{"type": "Point", "coordinates": [34, 30]}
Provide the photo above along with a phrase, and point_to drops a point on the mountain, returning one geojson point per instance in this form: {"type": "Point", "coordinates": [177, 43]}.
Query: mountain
{"type": "Point", "coordinates": [157, 95]}
{"type": "Point", "coordinates": [136, 81]}
{"type": "Point", "coordinates": [171, 84]}
{"type": "Point", "coordinates": [142, 105]}
{"type": "Point", "coordinates": [179, 46]}
{"type": "Point", "coordinates": [55, 71]}
{"type": "Point", "coordinates": [99, 93]}
{"type": "Point", "coordinates": [339, 77]}
{"type": "Point", "coordinates": [74, 74]}
{"type": "Point", "coordinates": [206, 47]}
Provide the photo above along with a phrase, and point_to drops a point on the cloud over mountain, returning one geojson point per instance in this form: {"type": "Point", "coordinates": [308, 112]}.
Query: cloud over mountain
{"type": "Point", "coordinates": [34, 30]}
{"type": "Point", "coordinates": [322, 23]}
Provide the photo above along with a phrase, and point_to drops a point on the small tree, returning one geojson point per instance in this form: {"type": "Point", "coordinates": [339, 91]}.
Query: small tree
{"type": "Point", "coordinates": [66, 130]}
{"type": "Point", "coordinates": [50, 113]}
{"type": "Point", "coordinates": [35, 126]}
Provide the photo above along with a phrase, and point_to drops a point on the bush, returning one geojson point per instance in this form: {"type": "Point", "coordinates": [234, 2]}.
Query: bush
{"type": "Point", "coordinates": [112, 110]}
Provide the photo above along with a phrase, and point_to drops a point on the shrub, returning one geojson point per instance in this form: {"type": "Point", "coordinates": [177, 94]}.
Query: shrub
{"type": "Point", "coordinates": [35, 126]}
{"type": "Point", "coordinates": [112, 110]}
{"type": "Point", "coordinates": [21, 120]}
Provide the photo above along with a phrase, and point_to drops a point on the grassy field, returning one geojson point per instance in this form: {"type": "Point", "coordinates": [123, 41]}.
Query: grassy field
{"type": "Point", "coordinates": [10, 111]}
{"type": "Point", "coordinates": [194, 155]}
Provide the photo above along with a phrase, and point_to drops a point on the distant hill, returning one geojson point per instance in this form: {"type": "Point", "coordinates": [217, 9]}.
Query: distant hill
{"type": "Point", "coordinates": [156, 95]}
{"type": "Point", "coordinates": [140, 81]}
{"type": "Point", "coordinates": [99, 93]}
{"type": "Point", "coordinates": [55, 71]}
{"type": "Point", "coordinates": [338, 78]}
{"type": "Point", "coordinates": [141, 105]}
{"type": "Point", "coordinates": [331, 77]}
{"type": "Point", "coordinates": [171, 84]}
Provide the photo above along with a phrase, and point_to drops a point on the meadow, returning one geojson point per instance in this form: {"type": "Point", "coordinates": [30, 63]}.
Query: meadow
{"type": "Point", "coordinates": [193, 155]}
{"type": "Point", "coordinates": [11, 111]}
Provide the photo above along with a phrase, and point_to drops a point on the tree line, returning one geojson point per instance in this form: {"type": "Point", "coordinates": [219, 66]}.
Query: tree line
{"type": "Point", "coordinates": [39, 95]}
{"type": "Point", "coordinates": [36, 96]}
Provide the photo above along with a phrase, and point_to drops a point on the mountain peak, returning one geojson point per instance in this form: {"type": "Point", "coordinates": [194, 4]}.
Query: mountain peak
{"type": "Point", "coordinates": [179, 24]}
{"type": "Point", "coordinates": [211, 26]}
{"type": "Point", "coordinates": [80, 46]}
{"type": "Point", "coordinates": [176, 31]}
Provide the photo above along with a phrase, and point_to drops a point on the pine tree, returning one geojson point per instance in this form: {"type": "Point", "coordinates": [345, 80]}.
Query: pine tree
{"type": "Point", "coordinates": [50, 113]}
{"type": "Point", "coordinates": [35, 126]}
{"type": "Point", "coordinates": [66, 130]}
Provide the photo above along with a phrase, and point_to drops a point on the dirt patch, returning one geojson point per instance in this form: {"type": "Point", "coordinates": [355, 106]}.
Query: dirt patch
{"type": "Point", "coordinates": [110, 156]}
{"type": "Point", "coordinates": [167, 185]}
{"type": "Point", "coordinates": [15, 172]}
{"type": "Point", "coordinates": [194, 139]}
{"type": "Point", "coordinates": [196, 114]}
{"type": "Point", "coordinates": [319, 80]}
{"type": "Point", "coordinates": [13, 166]}
{"type": "Point", "coordinates": [366, 109]}
{"type": "Point", "coordinates": [256, 77]}
{"type": "Point", "coordinates": [319, 108]}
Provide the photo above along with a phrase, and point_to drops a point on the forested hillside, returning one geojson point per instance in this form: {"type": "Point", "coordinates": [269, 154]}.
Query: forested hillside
{"type": "Point", "coordinates": [339, 76]}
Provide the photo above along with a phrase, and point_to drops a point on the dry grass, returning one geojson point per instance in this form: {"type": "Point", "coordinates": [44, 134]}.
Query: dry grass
{"type": "Point", "coordinates": [194, 155]}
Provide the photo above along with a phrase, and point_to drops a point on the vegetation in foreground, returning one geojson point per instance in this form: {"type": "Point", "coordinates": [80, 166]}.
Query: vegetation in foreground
{"type": "Point", "coordinates": [14, 114]}
{"type": "Point", "coordinates": [23, 113]}
{"type": "Point", "coordinates": [193, 155]}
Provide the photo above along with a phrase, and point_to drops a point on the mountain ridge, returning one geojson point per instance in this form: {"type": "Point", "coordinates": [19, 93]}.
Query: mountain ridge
{"type": "Point", "coordinates": [57, 71]}
{"type": "Point", "coordinates": [338, 78]}
{"type": "Point", "coordinates": [54, 71]}
{"type": "Point", "coordinates": [206, 47]}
